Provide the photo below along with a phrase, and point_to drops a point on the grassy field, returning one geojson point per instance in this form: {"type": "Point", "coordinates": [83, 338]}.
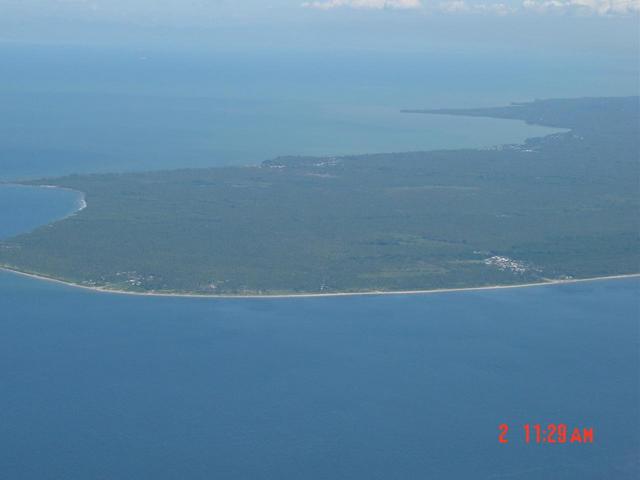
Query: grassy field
{"type": "Point", "coordinates": [561, 206]}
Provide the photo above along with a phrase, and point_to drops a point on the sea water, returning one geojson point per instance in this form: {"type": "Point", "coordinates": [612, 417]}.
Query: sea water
{"type": "Point", "coordinates": [101, 385]}
{"type": "Point", "coordinates": [96, 385]}
{"type": "Point", "coordinates": [83, 110]}
{"type": "Point", "coordinates": [24, 208]}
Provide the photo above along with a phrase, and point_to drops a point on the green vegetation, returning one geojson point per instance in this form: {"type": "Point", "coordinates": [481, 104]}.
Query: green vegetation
{"type": "Point", "coordinates": [563, 205]}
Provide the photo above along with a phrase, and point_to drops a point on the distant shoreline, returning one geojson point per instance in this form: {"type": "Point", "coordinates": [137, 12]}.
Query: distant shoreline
{"type": "Point", "coordinates": [312, 295]}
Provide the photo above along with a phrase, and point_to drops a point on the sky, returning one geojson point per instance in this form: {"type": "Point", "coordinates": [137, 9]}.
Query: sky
{"type": "Point", "coordinates": [607, 26]}
{"type": "Point", "coordinates": [176, 10]}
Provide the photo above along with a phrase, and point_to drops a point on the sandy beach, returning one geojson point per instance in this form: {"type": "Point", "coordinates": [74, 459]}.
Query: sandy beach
{"type": "Point", "coordinates": [312, 295]}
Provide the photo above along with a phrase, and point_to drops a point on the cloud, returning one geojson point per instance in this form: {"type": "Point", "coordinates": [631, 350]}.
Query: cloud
{"type": "Point", "coordinates": [365, 4]}
{"type": "Point", "coordinates": [461, 6]}
{"type": "Point", "coordinates": [599, 7]}
{"type": "Point", "coordinates": [508, 7]}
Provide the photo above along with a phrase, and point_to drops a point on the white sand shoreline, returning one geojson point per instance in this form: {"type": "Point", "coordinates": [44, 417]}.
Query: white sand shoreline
{"type": "Point", "coordinates": [310, 295]}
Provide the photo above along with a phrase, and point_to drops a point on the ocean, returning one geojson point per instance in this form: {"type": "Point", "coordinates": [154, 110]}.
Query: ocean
{"type": "Point", "coordinates": [113, 386]}
{"type": "Point", "coordinates": [98, 385]}
{"type": "Point", "coordinates": [84, 110]}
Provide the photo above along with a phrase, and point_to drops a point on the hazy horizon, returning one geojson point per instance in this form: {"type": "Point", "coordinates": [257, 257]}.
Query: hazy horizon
{"type": "Point", "coordinates": [576, 26]}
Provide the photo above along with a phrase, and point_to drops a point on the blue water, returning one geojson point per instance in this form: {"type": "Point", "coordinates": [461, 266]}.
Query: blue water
{"type": "Point", "coordinates": [53, 134]}
{"type": "Point", "coordinates": [102, 386]}
{"type": "Point", "coordinates": [411, 387]}
{"type": "Point", "coordinates": [24, 208]}
{"type": "Point", "coordinates": [111, 386]}
{"type": "Point", "coordinates": [73, 110]}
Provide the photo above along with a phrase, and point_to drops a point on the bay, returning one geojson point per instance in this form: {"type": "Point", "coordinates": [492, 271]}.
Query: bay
{"type": "Point", "coordinates": [83, 110]}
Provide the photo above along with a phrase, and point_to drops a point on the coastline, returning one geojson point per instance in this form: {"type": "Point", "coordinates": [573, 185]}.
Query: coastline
{"type": "Point", "coordinates": [81, 203]}
{"type": "Point", "coordinates": [312, 295]}
{"type": "Point", "coordinates": [82, 198]}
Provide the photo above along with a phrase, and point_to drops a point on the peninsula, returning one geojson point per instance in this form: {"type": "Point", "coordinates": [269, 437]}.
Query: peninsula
{"type": "Point", "coordinates": [560, 207]}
